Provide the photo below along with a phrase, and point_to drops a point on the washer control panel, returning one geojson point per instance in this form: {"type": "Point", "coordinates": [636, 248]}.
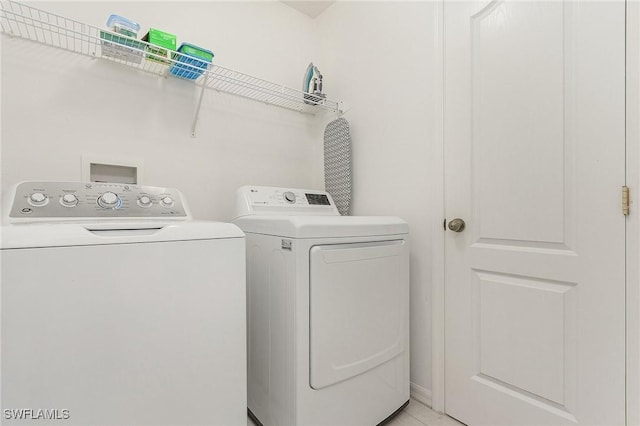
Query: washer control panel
{"type": "Point", "coordinates": [58, 200]}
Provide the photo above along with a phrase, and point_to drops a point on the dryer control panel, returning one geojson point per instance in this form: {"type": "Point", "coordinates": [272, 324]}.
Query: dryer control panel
{"type": "Point", "coordinates": [274, 200]}
{"type": "Point", "coordinates": [80, 200]}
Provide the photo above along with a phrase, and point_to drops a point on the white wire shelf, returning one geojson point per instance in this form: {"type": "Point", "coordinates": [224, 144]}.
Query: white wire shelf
{"type": "Point", "coordinates": [26, 22]}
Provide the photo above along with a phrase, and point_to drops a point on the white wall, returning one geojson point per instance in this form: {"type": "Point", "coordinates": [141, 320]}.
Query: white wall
{"type": "Point", "coordinates": [380, 58]}
{"type": "Point", "coordinates": [58, 106]}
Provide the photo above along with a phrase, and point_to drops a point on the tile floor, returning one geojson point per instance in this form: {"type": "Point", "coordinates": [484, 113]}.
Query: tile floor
{"type": "Point", "coordinates": [418, 414]}
{"type": "Point", "coordinates": [415, 414]}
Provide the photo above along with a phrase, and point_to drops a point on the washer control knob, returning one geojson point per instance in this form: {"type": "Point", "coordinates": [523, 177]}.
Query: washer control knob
{"type": "Point", "coordinates": [109, 200]}
{"type": "Point", "coordinates": [69, 200]}
{"type": "Point", "coordinates": [166, 201]}
{"type": "Point", "coordinates": [38, 199]}
{"type": "Point", "coordinates": [289, 197]}
{"type": "Point", "coordinates": [144, 201]}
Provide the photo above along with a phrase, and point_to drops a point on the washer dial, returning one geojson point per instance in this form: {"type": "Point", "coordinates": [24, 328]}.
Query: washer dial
{"type": "Point", "coordinates": [166, 201]}
{"type": "Point", "coordinates": [145, 201]}
{"type": "Point", "coordinates": [109, 200]}
{"type": "Point", "coordinates": [69, 200]}
{"type": "Point", "coordinates": [38, 199]}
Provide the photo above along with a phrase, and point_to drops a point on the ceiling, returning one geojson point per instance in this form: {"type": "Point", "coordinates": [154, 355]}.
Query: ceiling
{"type": "Point", "coordinates": [310, 8]}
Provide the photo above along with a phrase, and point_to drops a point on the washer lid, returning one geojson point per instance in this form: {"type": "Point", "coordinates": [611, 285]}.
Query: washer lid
{"type": "Point", "coordinates": [322, 226]}
{"type": "Point", "coordinates": [61, 234]}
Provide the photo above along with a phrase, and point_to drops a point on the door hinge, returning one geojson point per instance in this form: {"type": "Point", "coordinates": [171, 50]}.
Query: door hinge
{"type": "Point", "coordinates": [625, 200]}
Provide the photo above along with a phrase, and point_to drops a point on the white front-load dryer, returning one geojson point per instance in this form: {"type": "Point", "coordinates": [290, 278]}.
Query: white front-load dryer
{"type": "Point", "coordinates": [118, 309]}
{"type": "Point", "coordinates": [327, 312]}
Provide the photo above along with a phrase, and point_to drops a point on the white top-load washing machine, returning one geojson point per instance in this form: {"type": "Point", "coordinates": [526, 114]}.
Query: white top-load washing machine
{"type": "Point", "coordinates": [118, 309]}
{"type": "Point", "coordinates": [327, 311]}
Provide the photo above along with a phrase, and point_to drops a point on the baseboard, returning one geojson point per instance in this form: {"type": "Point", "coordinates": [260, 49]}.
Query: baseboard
{"type": "Point", "coordinates": [421, 394]}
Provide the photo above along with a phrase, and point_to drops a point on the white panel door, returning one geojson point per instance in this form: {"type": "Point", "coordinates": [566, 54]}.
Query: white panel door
{"type": "Point", "coordinates": [534, 163]}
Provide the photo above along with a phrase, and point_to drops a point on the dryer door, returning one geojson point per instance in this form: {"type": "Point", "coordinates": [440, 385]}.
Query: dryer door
{"type": "Point", "coordinates": [358, 308]}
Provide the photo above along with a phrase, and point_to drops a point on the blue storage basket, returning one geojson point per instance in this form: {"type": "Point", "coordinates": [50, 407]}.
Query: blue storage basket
{"type": "Point", "coordinates": [191, 62]}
